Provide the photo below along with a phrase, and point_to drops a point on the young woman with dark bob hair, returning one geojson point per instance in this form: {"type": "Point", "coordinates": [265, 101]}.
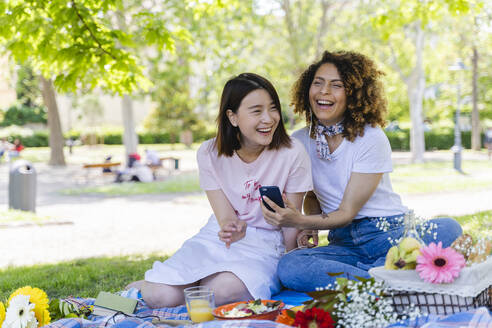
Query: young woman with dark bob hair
{"type": "Point", "coordinates": [341, 97]}
{"type": "Point", "coordinates": [236, 252]}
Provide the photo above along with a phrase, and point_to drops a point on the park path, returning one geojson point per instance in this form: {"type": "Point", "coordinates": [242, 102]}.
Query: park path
{"type": "Point", "coordinates": [91, 226]}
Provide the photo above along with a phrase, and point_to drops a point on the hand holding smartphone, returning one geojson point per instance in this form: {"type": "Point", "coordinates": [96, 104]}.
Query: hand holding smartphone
{"type": "Point", "coordinates": [273, 193]}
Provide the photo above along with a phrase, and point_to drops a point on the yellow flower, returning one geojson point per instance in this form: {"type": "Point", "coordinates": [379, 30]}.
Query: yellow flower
{"type": "Point", "coordinates": [39, 298]}
{"type": "Point", "coordinates": [2, 313]}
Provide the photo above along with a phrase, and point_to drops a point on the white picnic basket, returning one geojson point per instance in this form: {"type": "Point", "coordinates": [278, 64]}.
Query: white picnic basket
{"type": "Point", "coordinates": [472, 289]}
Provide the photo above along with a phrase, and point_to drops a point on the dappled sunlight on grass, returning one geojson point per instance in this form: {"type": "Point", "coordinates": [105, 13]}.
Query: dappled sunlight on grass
{"type": "Point", "coordinates": [432, 176]}
{"type": "Point", "coordinates": [86, 277]}
{"type": "Point", "coordinates": [21, 216]}
{"type": "Point", "coordinates": [97, 153]}
{"type": "Point", "coordinates": [478, 224]}
{"type": "Point", "coordinates": [82, 278]}
{"type": "Point", "coordinates": [440, 176]}
{"type": "Point", "coordinates": [174, 184]}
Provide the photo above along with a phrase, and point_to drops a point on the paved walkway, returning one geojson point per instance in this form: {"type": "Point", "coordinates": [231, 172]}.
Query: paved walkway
{"type": "Point", "coordinates": [110, 226]}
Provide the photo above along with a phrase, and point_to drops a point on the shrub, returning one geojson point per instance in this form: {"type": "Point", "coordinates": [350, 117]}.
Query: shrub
{"type": "Point", "coordinates": [37, 139]}
{"type": "Point", "coordinates": [399, 140]}
{"type": "Point", "coordinates": [20, 115]}
{"type": "Point", "coordinates": [153, 138]}
{"type": "Point", "coordinates": [439, 139]}
{"type": "Point", "coordinates": [112, 139]}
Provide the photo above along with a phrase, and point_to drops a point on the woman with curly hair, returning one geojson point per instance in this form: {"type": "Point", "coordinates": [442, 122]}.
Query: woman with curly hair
{"type": "Point", "coordinates": [342, 99]}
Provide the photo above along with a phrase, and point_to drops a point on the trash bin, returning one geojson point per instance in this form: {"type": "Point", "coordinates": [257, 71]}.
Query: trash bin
{"type": "Point", "coordinates": [22, 186]}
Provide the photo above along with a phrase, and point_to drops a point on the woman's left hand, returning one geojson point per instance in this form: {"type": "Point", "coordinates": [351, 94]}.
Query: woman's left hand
{"type": "Point", "coordinates": [282, 217]}
{"type": "Point", "coordinates": [304, 236]}
{"type": "Point", "coordinates": [232, 232]}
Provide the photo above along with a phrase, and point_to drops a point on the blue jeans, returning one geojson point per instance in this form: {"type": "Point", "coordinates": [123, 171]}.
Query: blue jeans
{"type": "Point", "coordinates": [353, 250]}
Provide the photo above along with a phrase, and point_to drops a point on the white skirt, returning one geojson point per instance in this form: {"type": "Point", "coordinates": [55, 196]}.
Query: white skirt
{"type": "Point", "coordinates": [252, 259]}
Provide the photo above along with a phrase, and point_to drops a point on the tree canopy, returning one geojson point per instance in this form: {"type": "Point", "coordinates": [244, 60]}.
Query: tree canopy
{"type": "Point", "coordinates": [180, 52]}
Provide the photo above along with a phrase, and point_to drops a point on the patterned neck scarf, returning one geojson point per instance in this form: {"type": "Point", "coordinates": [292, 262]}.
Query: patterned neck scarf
{"type": "Point", "coordinates": [321, 143]}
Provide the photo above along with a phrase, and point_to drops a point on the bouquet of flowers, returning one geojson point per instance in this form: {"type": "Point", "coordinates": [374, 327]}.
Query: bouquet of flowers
{"type": "Point", "coordinates": [350, 303]}
{"type": "Point", "coordinates": [29, 307]}
{"type": "Point", "coordinates": [437, 279]}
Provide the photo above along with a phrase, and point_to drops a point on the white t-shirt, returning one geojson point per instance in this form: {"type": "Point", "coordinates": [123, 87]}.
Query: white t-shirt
{"type": "Point", "coordinates": [152, 157]}
{"type": "Point", "coordinates": [287, 168]}
{"type": "Point", "coordinates": [368, 154]}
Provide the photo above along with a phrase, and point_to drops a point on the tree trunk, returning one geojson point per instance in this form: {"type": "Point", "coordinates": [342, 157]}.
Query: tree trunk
{"type": "Point", "coordinates": [292, 35]}
{"type": "Point", "coordinates": [325, 5]}
{"type": "Point", "coordinates": [475, 118]}
{"type": "Point", "coordinates": [56, 140]}
{"type": "Point", "coordinates": [415, 91]}
{"type": "Point", "coordinates": [130, 139]}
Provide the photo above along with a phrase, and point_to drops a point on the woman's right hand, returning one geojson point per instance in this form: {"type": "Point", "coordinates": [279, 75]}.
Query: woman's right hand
{"type": "Point", "coordinates": [282, 217]}
{"type": "Point", "coordinates": [232, 232]}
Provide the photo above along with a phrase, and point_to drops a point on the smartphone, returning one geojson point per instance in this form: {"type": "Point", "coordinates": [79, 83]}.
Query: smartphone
{"type": "Point", "coordinates": [274, 194]}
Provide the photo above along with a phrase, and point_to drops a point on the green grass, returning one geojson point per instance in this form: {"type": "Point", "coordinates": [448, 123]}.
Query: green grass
{"type": "Point", "coordinates": [174, 184]}
{"type": "Point", "coordinates": [440, 176]}
{"type": "Point", "coordinates": [437, 176]}
{"type": "Point", "coordinates": [478, 224]}
{"type": "Point", "coordinates": [86, 277]}
{"type": "Point", "coordinates": [406, 179]}
{"type": "Point", "coordinates": [16, 216]}
{"type": "Point", "coordinates": [97, 153]}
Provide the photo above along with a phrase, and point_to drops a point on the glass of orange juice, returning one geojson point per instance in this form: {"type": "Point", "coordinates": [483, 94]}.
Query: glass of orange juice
{"type": "Point", "coordinates": [200, 303]}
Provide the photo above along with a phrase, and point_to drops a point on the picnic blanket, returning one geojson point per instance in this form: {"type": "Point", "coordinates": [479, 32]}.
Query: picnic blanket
{"type": "Point", "coordinates": [143, 317]}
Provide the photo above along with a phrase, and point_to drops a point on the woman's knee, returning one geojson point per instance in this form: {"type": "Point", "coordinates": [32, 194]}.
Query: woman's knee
{"type": "Point", "coordinates": [227, 288]}
{"type": "Point", "coordinates": [160, 295]}
{"type": "Point", "coordinates": [229, 294]}
{"type": "Point", "coordinates": [446, 231]}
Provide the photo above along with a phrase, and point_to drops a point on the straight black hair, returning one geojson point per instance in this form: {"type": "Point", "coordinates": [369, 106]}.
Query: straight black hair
{"type": "Point", "coordinates": [235, 90]}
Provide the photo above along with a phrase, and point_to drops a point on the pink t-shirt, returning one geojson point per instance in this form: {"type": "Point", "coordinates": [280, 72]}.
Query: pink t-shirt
{"type": "Point", "coordinates": [287, 168]}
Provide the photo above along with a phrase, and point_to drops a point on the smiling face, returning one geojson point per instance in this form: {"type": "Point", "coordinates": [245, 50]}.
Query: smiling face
{"type": "Point", "coordinates": [257, 119]}
{"type": "Point", "coordinates": [327, 95]}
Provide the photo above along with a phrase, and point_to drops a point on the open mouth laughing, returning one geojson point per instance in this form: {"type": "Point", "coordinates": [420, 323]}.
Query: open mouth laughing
{"type": "Point", "coordinates": [265, 131]}
{"type": "Point", "coordinates": [325, 103]}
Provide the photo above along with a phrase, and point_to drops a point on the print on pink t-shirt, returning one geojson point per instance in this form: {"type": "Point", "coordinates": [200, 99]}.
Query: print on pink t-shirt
{"type": "Point", "coordinates": [287, 168]}
{"type": "Point", "coordinates": [251, 188]}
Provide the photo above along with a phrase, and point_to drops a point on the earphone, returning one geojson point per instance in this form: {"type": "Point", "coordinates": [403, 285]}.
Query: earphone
{"type": "Point", "coordinates": [310, 131]}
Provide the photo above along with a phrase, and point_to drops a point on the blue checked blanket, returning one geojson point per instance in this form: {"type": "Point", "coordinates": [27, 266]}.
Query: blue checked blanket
{"type": "Point", "coordinates": [143, 317]}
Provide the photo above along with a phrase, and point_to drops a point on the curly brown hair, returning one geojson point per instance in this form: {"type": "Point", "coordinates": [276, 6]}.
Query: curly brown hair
{"type": "Point", "coordinates": [366, 103]}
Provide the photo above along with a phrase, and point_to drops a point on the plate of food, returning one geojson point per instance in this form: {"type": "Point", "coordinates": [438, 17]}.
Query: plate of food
{"type": "Point", "coordinates": [254, 309]}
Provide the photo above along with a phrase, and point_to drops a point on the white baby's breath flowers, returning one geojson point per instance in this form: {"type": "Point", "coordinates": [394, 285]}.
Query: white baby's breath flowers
{"type": "Point", "coordinates": [20, 313]}
{"type": "Point", "coordinates": [365, 306]}
{"type": "Point", "coordinates": [423, 227]}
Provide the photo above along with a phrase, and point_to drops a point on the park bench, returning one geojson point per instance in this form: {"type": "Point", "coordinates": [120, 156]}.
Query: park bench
{"type": "Point", "coordinates": [101, 166]}
{"type": "Point", "coordinates": [169, 163]}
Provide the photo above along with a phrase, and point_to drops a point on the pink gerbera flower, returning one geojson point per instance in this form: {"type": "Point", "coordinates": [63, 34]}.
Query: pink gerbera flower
{"type": "Point", "coordinates": [439, 265]}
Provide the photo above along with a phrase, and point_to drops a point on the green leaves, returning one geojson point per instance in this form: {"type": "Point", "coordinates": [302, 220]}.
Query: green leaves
{"type": "Point", "coordinates": [79, 45]}
{"type": "Point", "coordinates": [393, 15]}
{"type": "Point", "coordinates": [327, 298]}
{"type": "Point", "coordinates": [66, 308]}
